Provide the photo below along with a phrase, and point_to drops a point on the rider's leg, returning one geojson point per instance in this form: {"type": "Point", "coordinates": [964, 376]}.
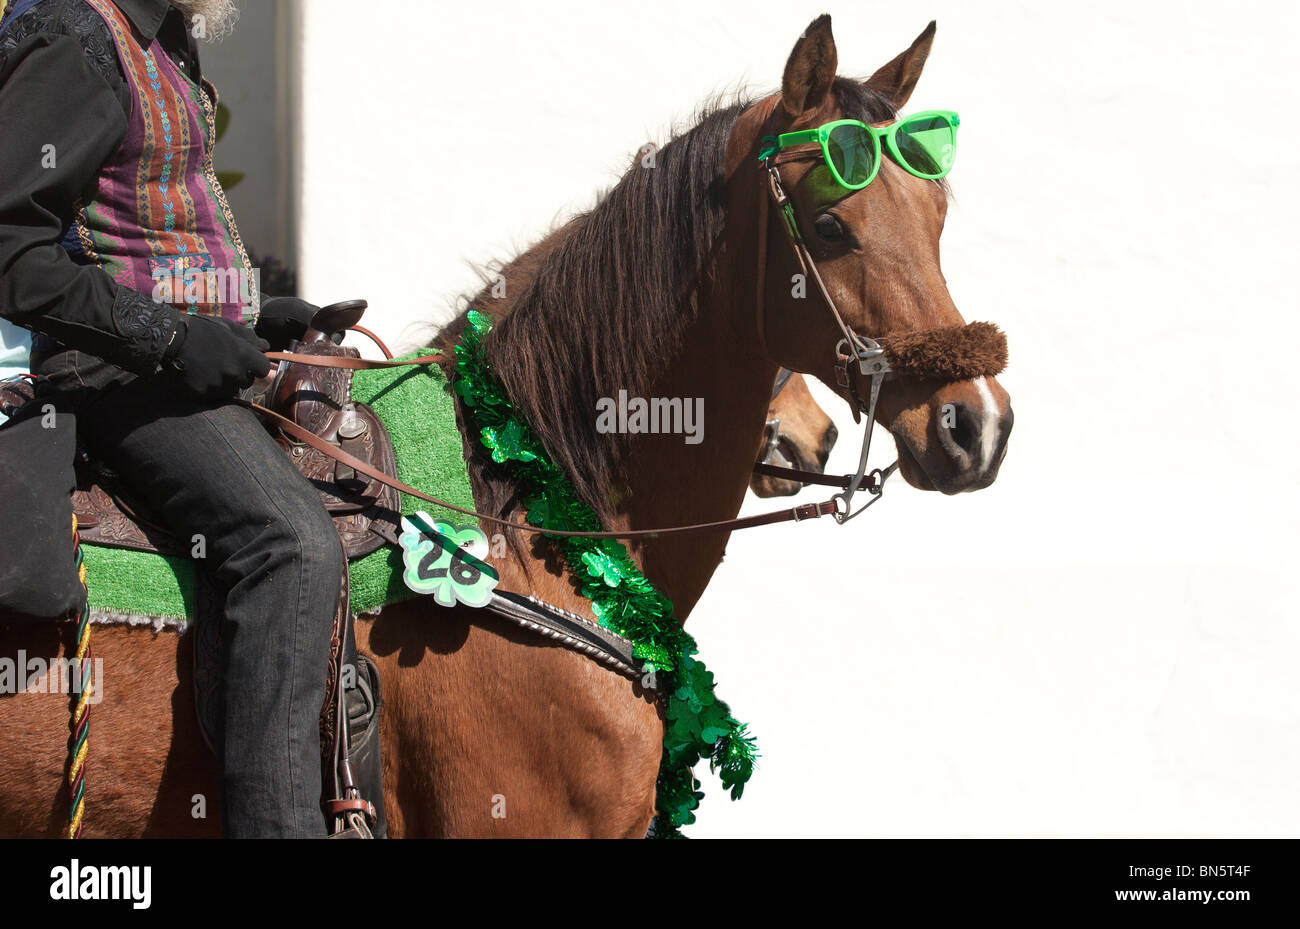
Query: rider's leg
{"type": "Point", "coordinates": [215, 476]}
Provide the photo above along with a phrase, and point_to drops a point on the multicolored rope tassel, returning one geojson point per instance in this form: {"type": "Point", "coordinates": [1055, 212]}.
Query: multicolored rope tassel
{"type": "Point", "coordinates": [81, 686]}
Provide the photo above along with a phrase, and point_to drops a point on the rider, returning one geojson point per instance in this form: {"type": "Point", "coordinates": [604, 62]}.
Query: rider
{"type": "Point", "coordinates": [108, 192]}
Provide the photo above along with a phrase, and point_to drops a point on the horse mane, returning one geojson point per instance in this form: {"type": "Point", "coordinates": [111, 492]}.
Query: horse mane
{"type": "Point", "coordinates": [606, 298]}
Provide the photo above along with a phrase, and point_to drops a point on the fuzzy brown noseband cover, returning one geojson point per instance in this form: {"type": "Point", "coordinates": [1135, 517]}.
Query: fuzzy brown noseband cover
{"type": "Point", "coordinates": [949, 353]}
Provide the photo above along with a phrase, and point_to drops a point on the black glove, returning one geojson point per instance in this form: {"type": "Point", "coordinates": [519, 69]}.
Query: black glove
{"type": "Point", "coordinates": [215, 357]}
{"type": "Point", "coordinates": [284, 319]}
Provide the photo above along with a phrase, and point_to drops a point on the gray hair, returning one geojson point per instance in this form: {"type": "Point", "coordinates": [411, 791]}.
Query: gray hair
{"type": "Point", "coordinates": [216, 18]}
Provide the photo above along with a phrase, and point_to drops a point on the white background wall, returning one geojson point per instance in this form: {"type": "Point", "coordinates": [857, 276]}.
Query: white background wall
{"type": "Point", "coordinates": [1105, 641]}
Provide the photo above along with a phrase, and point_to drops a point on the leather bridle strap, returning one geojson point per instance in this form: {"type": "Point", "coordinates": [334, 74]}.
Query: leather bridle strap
{"type": "Point", "coordinates": [867, 353]}
{"type": "Point", "coordinates": [307, 437]}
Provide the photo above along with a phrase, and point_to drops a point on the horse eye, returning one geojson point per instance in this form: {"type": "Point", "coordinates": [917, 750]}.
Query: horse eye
{"type": "Point", "coordinates": [828, 227]}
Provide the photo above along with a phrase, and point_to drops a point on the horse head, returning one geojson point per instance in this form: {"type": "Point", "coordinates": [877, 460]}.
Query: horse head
{"type": "Point", "coordinates": [877, 251]}
{"type": "Point", "coordinates": [798, 435]}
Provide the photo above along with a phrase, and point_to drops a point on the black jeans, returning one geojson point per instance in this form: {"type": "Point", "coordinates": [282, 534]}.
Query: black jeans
{"type": "Point", "coordinates": [211, 470]}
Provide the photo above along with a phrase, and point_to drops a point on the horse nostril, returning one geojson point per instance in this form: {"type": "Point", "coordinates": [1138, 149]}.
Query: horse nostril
{"type": "Point", "coordinates": [962, 428]}
{"type": "Point", "coordinates": [828, 440]}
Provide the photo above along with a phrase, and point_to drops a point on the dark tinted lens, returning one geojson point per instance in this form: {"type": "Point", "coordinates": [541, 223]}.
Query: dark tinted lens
{"type": "Point", "coordinates": [927, 145]}
{"type": "Point", "coordinates": [851, 153]}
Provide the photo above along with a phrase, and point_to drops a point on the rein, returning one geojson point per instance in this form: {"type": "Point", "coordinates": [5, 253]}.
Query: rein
{"type": "Point", "coordinates": [307, 437]}
{"type": "Point", "coordinates": [796, 514]}
{"type": "Point", "coordinates": [343, 361]}
{"type": "Point", "coordinates": [870, 356]}
{"type": "Point", "coordinates": [831, 507]}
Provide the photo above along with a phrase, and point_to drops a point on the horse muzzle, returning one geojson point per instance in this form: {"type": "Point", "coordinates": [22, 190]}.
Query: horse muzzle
{"type": "Point", "coordinates": [955, 442]}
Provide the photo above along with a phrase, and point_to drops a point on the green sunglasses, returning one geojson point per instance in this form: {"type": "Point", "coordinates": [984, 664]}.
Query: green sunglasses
{"type": "Point", "coordinates": [924, 144]}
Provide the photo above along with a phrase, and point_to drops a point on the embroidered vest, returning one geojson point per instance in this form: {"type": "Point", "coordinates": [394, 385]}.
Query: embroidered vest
{"type": "Point", "coordinates": [158, 221]}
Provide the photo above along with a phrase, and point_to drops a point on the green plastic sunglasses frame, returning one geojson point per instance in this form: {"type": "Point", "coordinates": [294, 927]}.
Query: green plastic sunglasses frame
{"type": "Point", "coordinates": [770, 145]}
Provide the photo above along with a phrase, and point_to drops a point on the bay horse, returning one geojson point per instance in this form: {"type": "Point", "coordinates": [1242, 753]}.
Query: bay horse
{"type": "Point", "coordinates": [487, 731]}
{"type": "Point", "coordinates": [798, 434]}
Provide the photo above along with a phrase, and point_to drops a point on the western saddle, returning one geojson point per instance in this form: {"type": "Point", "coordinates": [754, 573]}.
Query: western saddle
{"type": "Point", "coordinates": [319, 399]}
{"type": "Point", "coordinates": [366, 513]}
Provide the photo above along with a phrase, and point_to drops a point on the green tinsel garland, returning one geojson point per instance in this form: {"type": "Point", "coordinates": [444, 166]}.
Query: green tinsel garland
{"type": "Point", "coordinates": [697, 724]}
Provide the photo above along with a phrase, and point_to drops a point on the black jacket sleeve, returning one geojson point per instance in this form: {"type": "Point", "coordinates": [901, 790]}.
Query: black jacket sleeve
{"type": "Point", "coordinates": [59, 121]}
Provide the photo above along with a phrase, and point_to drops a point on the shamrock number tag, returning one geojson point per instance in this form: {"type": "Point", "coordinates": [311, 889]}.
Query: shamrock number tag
{"type": "Point", "coordinates": [446, 562]}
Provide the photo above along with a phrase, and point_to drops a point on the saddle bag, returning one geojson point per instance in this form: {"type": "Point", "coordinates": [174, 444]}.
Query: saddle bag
{"type": "Point", "coordinates": [38, 560]}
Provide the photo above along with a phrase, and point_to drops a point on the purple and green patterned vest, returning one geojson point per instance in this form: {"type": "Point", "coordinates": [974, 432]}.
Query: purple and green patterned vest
{"type": "Point", "coordinates": [158, 221]}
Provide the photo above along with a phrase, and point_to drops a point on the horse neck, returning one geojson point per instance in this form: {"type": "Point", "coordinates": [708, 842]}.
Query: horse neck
{"type": "Point", "coordinates": [720, 365]}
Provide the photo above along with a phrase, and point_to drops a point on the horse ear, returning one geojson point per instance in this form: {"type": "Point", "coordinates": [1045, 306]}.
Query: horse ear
{"type": "Point", "coordinates": [810, 70]}
{"type": "Point", "coordinates": [896, 80]}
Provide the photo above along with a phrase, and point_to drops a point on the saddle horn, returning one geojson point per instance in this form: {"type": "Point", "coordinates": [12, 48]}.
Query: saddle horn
{"type": "Point", "coordinates": [331, 322]}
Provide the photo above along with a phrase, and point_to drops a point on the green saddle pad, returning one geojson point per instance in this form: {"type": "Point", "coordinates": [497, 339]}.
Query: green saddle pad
{"type": "Point", "coordinates": [417, 408]}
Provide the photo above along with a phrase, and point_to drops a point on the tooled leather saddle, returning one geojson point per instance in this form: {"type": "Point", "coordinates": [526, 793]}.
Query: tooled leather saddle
{"type": "Point", "coordinates": [366, 512]}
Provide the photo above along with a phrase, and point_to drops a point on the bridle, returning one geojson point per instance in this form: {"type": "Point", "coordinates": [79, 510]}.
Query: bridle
{"type": "Point", "coordinates": [867, 353]}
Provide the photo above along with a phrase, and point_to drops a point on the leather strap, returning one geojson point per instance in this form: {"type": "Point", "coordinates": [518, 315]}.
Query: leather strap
{"type": "Point", "coordinates": [815, 477]}
{"type": "Point", "coordinates": [851, 351]}
{"type": "Point", "coordinates": [340, 807]}
{"type": "Point", "coordinates": [808, 265]}
{"type": "Point", "coordinates": [579, 633]}
{"type": "Point", "coordinates": [373, 338]}
{"type": "Point", "coordinates": [804, 477]}
{"type": "Point", "coordinates": [307, 437]}
{"type": "Point", "coordinates": [760, 283]}
{"type": "Point", "coordinates": [354, 364]}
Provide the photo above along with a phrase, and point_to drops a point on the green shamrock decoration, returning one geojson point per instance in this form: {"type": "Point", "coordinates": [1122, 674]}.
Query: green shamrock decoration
{"type": "Point", "coordinates": [604, 566]}
{"type": "Point", "coordinates": [697, 724]}
{"type": "Point", "coordinates": [508, 442]}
